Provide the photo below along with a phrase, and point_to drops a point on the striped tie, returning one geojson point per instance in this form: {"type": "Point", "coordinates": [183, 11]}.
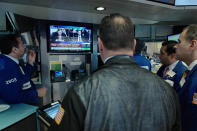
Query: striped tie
{"type": "Point", "coordinates": [165, 71]}
{"type": "Point", "coordinates": [185, 74]}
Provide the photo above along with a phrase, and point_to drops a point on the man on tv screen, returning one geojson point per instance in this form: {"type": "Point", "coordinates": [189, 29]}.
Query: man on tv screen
{"type": "Point", "coordinates": [59, 35]}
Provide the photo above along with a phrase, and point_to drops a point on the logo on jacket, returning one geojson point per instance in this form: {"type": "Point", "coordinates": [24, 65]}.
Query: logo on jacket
{"type": "Point", "coordinates": [11, 81]}
{"type": "Point", "coordinates": [194, 101]}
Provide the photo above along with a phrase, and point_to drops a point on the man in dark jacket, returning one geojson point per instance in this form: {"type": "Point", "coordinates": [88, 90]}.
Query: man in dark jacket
{"type": "Point", "coordinates": [120, 96]}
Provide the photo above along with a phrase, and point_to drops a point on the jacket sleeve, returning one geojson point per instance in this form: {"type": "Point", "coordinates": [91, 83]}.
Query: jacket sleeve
{"type": "Point", "coordinates": [13, 93]}
{"type": "Point", "coordinates": [29, 69]}
{"type": "Point", "coordinates": [74, 113]}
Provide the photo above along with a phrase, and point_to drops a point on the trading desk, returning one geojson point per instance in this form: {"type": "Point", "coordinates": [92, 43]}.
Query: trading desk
{"type": "Point", "coordinates": [19, 117]}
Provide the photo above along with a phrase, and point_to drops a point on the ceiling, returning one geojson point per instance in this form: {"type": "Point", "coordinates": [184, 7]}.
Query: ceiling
{"type": "Point", "coordinates": [140, 11]}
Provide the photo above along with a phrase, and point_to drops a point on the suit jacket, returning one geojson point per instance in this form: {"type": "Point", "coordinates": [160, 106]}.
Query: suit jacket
{"type": "Point", "coordinates": [142, 61]}
{"type": "Point", "coordinates": [179, 69]}
{"type": "Point", "coordinates": [188, 109]}
{"type": "Point", "coordinates": [15, 84]}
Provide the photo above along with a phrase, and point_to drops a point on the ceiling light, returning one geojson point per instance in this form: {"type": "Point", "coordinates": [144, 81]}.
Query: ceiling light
{"type": "Point", "coordinates": [100, 8]}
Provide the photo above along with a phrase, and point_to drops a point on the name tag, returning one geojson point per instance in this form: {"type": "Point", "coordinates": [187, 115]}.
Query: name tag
{"type": "Point", "coordinates": [171, 73]}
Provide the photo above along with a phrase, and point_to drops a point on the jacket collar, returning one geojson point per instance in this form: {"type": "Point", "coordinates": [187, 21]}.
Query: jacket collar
{"type": "Point", "coordinates": [111, 58]}
{"type": "Point", "coordinates": [177, 67]}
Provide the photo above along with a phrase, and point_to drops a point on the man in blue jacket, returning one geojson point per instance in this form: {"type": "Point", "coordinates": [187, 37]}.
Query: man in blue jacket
{"type": "Point", "coordinates": [187, 52]}
{"type": "Point", "coordinates": [138, 58]}
{"type": "Point", "coordinates": [172, 69]}
{"type": "Point", "coordinates": [15, 83]}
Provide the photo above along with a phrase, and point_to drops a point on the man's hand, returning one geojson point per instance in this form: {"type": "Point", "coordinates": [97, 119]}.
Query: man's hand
{"type": "Point", "coordinates": [42, 91]}
{"type": "Point", "coordinates": [31, 57]}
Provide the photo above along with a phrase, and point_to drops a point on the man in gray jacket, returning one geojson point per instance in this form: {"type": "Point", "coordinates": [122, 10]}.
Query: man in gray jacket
{"type": "Point", "coordinates": [120, 96]}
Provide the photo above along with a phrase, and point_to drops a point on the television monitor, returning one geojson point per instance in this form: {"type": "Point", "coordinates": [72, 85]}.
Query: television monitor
{"type": "Point", "coordinates": [185, 2]}
{"type": "Point", "coordinates": [70, 38]}
{"type": "Point", "coordinates": [170, 2]}
{"type": "Point", "coordinates": [174, 37]}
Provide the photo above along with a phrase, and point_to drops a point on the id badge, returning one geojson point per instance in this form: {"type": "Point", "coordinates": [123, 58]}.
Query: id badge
{"type": "Point", "coordinates": [182, 82]}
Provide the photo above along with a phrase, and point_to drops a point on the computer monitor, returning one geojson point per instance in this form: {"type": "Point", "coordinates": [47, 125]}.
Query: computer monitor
{"type": "Point", "coordinates": [170, 2]}
{"type": "Point", "coordinates": [185, 2]}
{"type": "Point", "coordinates": [68, 38]}
{"type": "Point", "coordinates": [174, 37]}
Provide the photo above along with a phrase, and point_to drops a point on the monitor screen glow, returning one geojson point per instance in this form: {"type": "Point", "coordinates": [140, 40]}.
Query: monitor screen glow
{"type": "Point", "coordinates": [185, 2]}
{"type": "Point", "coordinates": [63, 38]}
{"type": "Point", "coordinates": [171, 2]}
{"type": "Point", "coordinates": [174, 37]}
{"type": "Point", "coordinates": [52, 111]}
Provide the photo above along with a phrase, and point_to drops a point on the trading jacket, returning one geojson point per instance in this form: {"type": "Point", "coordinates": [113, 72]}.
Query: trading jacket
{"type": "Point", "coordinates": [187, 96]}
{"type": "Point", "coordinates": [120, 96]}
{"type": "Point", "coordinates": [142, 61]}
{"type": "Point", "coordinates": [15, 84]}
{"type": "Point", "coordinates": [178, 70]}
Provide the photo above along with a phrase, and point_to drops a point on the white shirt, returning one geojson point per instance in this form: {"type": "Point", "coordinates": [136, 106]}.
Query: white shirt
{"type": "Point", "coordinates": [107, 59]}
{"type": "Point", "coordinates": [14, 59]}
{"type": "Point", "coordinates": [17, 62]}
{"type": "Point", "coordinates": [191, 66]}
{"type": "Point", "coordinates": [172, 66]}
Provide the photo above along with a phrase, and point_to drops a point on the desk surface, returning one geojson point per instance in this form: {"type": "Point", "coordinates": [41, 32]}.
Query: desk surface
{"type": "Point", "coordinates": [15, 113]}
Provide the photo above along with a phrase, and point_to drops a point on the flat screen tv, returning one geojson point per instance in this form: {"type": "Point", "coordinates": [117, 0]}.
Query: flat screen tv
{"type": "Point", "coordinates": [174, 37]}
{"type": "Point", "coordinates": [69, 38]}
{"type": "Point", "coordinates": [170, 2]}
{"type": "Point", "coordinates": [185, 2]}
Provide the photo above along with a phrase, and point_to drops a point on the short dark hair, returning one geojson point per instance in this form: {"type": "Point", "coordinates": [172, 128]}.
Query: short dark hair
{"type": "Point", "coordinates": [191, 32]}
{"type": "Point", "coordinates": [140, 46]}
{"type": "Point", "coordinates": [8, 42]}
{"type": "Point", "coordinates": [170, 46]}
{"type": "Point", "coordinates": [116, 32]}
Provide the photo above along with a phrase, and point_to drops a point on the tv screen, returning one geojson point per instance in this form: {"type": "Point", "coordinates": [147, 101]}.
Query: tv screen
{"type": "Point", "coordinates": [64, 39]}
{"type": "Point", "coordinates": [185, 2]}
{"type": "Point", "coordinates": [174, 37]}
{"type": "Point", "coordinates": [171, 2]}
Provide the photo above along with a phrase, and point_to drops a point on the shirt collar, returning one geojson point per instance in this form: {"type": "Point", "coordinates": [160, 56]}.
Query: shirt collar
{"type": "Point", "coordinates": [14, 59]}
{"type": "Point", "coordinates": [172, 66]}
{"type": "Point", "coordinates": [108, 59]}
{"type": "Point", "coordinates": [191, 66]}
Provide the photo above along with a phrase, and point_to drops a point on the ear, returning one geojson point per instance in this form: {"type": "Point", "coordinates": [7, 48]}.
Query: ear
{"type": "Point", "coordinates": [14, 49]}
{"type": "Point", "coordinates": [134, 44]}
{"type": "Point", "coordinates": [100, 45]}
{"type": "Point", "coordinates": [193, 44]}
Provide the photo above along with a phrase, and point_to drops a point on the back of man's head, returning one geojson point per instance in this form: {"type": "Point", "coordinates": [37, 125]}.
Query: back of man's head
{"type": "Point", "coordinates": [191, 32]}
{"type": "Point", "coordinates": [8, 42]}
{"type": "Point", "coordinates": [116, 32]}
{"type": "Point", "coordinates": [140, 46]}
{"type": "Point", "coordinates": [170, 46]}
